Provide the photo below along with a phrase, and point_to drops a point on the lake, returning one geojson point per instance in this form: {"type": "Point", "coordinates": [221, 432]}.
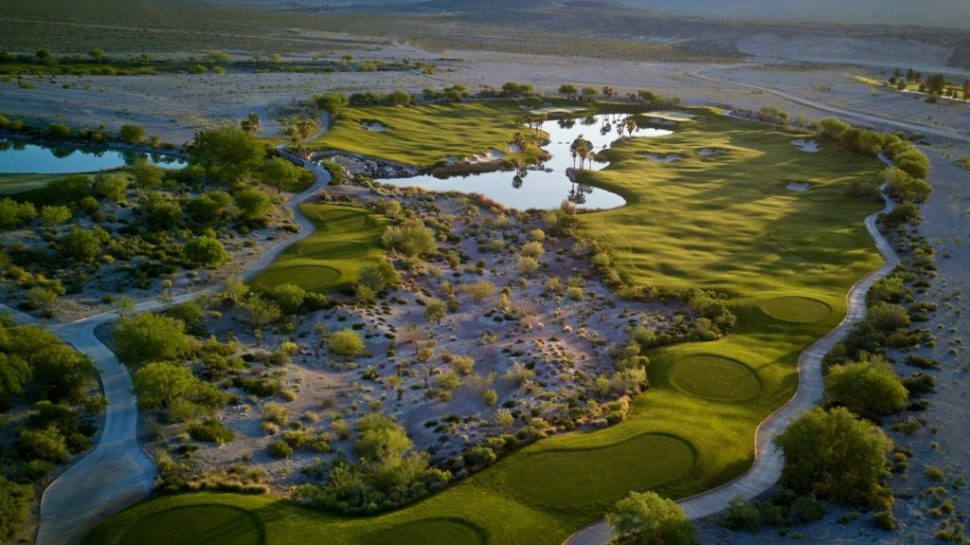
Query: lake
{"type": "Point", "coordinates": [22, 158]}
{"type": "Point", "coordinates": [548, 186]}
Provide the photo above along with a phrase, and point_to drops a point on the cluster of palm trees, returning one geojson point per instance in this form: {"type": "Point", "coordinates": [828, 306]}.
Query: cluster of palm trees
{"type": "Point", "coordinates": [583, 150]}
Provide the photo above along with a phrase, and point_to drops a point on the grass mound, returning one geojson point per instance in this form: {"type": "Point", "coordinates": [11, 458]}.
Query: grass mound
{"type": "Point", "coordinates": [559, 477]}
{"type": "Point", "coordinates": [796, 309]}
{"type": "Point", "coordinates": [347, 239]}
{"type": "Point", "coordinates": [423, 135]}
{"type": "Point", "coordinates": [440, 531]}
{"type": "Point", "coordinates": [196, 525]}
{"type": "Point", "coordinates": [714, 377]}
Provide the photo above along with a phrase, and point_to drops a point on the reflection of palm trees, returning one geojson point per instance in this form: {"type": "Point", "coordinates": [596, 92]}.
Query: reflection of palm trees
{"type": "Point", "coordinates": [631, 125]}
{"type": "Point", "coordinates": [519, 178]}
{"type": "Point", "coordinates": [591, 120]}
{"type": "Point", "coordinates": [61, 153]}
{"type": "Point", "coordinates": [566, 123]}
{"type": "Point", "coordinates": [578, 192]}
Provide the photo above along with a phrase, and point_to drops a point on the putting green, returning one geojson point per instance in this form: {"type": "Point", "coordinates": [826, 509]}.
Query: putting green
{"type": "Point", "coordinates": [346, 240]}
{"type": "Point", "coordinates": [550, 477]}
{"type": "Point", "coordinates": [440, 531]}
{"type": "Point", "coordinates": [796, 309]}
{"type": "Point", "coordinates": [714, 377]}
{"type": "Point", "coordinates": [197, 525]}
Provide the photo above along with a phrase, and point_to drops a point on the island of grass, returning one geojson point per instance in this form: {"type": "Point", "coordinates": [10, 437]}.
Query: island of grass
{"type": "Point", "coordinates": [346, 239]}
{"type": "Point", "coordinates": [783, 260]}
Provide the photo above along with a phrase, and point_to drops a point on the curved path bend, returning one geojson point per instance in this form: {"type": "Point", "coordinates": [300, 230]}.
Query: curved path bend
{"type": "Point", "coordinates": [118, 472]}
{"type": "Point", "coordinates": [768, 458]}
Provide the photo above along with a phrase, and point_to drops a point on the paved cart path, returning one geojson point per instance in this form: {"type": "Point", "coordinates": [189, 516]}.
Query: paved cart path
{"type": "Point", "coordinates": [118, 472]}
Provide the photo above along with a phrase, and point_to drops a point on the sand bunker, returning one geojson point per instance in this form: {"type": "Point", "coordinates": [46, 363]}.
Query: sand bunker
{"type": "Point", "coordinates": [373, 126]}
{"type": "Point", "coordinates": [492, 155]}
{"type": "Point", "coordinates": [799, 187]}
{"type": "Point", "coordinates": [707, 152]}
{"type": "Point", "coordinates": [675, 117]}
{"type": "Point", "coordinates": [667, 158]}
{"type": "Point", "coordinates": [808, 146]}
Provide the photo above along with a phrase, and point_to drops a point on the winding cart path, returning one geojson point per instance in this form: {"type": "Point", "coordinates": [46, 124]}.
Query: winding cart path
{"type": "Point", "coordinates": [768, 458]}
{"type": "Point", "coordinates": [118, 472]}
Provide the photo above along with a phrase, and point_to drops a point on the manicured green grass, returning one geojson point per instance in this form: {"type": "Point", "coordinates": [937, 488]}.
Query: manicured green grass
{"type": "Point", "coordinates": [714, 377]}
{"type": "Point", "coordinates": [796, 309]}
{"type": "Point", "coordinates": [19, 183]}
{"type": "Point", "coordinates": [198, 525]}
{"type": "Point", "coordinates": [423, 135]}
{"type": "Point", "coordinates": [346, 240]}
{"type": "Point", "coordinates": [723, 222]}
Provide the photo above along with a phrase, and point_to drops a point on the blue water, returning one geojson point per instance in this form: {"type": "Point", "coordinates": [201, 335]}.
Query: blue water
{"type": "Point", "coordinates": [547, 187]}
{"type": "Point", "coordinates": [20, 158]}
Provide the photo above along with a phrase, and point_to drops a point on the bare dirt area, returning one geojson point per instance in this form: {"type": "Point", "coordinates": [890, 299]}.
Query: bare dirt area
{"type": "Point", "coordinates": [513, 344]}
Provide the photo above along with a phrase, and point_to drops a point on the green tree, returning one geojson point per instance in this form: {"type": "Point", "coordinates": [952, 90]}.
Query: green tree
{"type": "Point", "coordinates": [381, 440]}
{"type": "Point", "coordinates": [253, 205]}
{"type": "Point", "coordinates": [158, 384]}
{"type": "Point", "coordinates": [289, 297]}
{"type": "Point", "coordinates": [112, 186]}
{"type": "Point", "coordinates": [47, 444]}
{"type": "Point", "coordinates": [51, 216]}
{"type": "Point", "coordinates": [648, 519]}
{"type": "Point", "coordinates": [145, 174]}
{"type": "Point", "coordinates": [15, 500]}
{"type": "Point", "coordinates": [205, 251]}
{"type": "Point", "coordinates": [568, 90]}
{"type": "Point", "coordinates": [81, 245]}
{"type": "Point", "coordinates": [332, 103]}
{"type": "Point", "coordinates": [379, 275]}
{"type": "Point", "coordinates": [835, 455]}
{"type": "Point", "coordinates": [209, 207]}
{"type": "Point", "coordinates": [227, 153]}
{"type": "Point", "coordinates": [96, 53]}
{"type": "Point", "coordinates": [412, 239]}
{"type": "Point", "coordinates": [870, 388]}
{"type": "Point", "coordinates": [14, 375]}
{"type": "Point", "coordinates": [15, 214]}
{"type": "Point", "coordinates": [58, 130]}
{"type": "Point", "coordinates": [131, 133]}
{"type": "Point", "coordinates": [149, 337]}
{"type": "Point", "coordinates": [281, 174]}
{"type": "Point", "coordinates": [251, 123]}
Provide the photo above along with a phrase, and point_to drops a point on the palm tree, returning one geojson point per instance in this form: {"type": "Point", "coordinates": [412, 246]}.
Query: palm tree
{"type": "Point", "coordinates": [251, 123]}
{"type": "Point", "coordinates": [303, 129]}
{"type": "Point", "coordinates": [631, 125]}
{"type": "Point", "coordinates": [609, 92]}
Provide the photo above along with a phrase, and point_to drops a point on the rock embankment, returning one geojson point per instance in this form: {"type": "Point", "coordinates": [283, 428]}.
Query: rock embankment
{"type": "Point", "coordinates": [362, 165]}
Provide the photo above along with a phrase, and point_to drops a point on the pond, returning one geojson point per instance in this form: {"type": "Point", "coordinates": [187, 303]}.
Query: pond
{"type": "Point", "coordinates": [22, 158]}
{"type": "Point", "coordinates": [548, 186]}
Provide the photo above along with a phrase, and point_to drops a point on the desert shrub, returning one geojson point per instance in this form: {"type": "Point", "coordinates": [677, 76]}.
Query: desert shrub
{"type": "Point", "coordinates": [289, 297]}
{"type": "Point", "coordinates": [412, 239]}
{"type": "Point", "coordinates": [279, 449]}
{"type": "Point", "coordinates": [205, 251]}
{"type": "Point", "coordinates": [347, 343]}
{"type": "Point", "coordinates": [47, 444]}
{"type": "Point", "coordinates": [275, 413]}
{"type": "Point", "coordinates": [211, 431]}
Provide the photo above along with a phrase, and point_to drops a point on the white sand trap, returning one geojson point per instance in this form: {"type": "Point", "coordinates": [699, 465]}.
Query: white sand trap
{"type": "Point", "coordinates": [668, 158]}
{"type": "Point", "coordinates": [553, 110]}
{"type": "Point", "coordinates": [707, 152]}
{"type": "Point", "coordinates": [798, 187]}
{"type": "Point", "coordinates": [492, 155]}
{"type": "Point", "coordinates": [676, 117]}
{"type": "Point", "coordinates": [808, 146]}
{"type": "Point", "coordinates": [373, 126]}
